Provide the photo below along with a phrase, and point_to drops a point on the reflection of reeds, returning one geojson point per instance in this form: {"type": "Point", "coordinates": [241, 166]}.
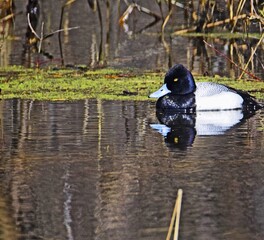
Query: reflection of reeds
{"type": "Point", "coordinates": [43, 36]}
{"type": "Point", "coordinates": [210, 15]}
{"type": "Point", "coordinates": [239, 9]}
{"type": "Point", "coordinates": [131, 7]}
{"type": "Point", "coordinates": [6, 17]}
{"type": "Point", "coordinates": [68, 3]}
{"type": "Point", "coordinates": [244, 70]}
{"type": "Point", "coordinates": [197, 15]}
{"type": "Point", "coordinates": [33, 38]}
{"type": "Point", "coordinates": [6, 10]}
{"type": "Point", "coordinates": [253, 51]}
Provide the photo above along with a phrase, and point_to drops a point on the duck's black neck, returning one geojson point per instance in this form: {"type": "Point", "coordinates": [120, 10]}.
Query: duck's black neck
{"type": "Point", "coordinates": [180, 80]}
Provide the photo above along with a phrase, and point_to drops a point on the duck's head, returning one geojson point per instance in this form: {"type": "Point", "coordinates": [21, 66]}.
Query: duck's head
{"type": "Point", "coordinates": [178, 81]}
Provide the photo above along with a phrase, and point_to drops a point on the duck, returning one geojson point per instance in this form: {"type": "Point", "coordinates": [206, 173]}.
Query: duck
{"type": "Point", "coordinates": [180, 92]}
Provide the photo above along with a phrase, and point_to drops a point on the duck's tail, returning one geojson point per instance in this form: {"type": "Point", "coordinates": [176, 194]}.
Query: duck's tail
{"type": "Point", "coordinates": [250, 102]}
{"type": "Point", "coordinates": [260, 105]}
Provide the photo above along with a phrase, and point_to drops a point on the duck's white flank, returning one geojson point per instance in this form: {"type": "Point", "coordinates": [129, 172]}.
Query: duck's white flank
{"type": "Point", "coordinates": [213, 96]}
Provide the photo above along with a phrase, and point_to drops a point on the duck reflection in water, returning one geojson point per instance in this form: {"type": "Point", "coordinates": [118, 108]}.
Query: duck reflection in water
{"type": "Point", "coordinates": [179, 129]}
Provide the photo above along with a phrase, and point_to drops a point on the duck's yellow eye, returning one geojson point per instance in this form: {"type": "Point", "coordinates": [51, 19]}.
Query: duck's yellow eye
{"type": "Point", "coordinates": [175, 79]}
{"type": "Point", "coordinates": [176, 140]}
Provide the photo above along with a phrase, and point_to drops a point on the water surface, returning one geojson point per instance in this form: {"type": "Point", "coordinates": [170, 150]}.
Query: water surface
{"type": "Point", "coordinates": [99, 170]}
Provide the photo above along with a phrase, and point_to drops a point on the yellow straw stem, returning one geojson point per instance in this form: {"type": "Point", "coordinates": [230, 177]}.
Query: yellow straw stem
{"type": "Point", "coordinates": [176, 210]}
{"type": "Point", "coordinates": [177, 222]}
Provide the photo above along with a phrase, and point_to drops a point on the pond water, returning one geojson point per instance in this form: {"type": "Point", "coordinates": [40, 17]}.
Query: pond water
{"type": "Point", "coordinates": [106, 43]}
{"type": "Point", "coordinates": [98, 169]}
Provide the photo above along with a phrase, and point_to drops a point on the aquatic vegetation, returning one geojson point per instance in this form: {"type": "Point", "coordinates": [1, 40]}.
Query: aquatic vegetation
{"type": "Point", "coordinates": [71, 84]}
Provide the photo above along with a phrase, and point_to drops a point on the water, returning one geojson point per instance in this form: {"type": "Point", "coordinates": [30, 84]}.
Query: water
{"type": "Point", "coordinates": [102, 170]}
{"type": "Point", "coordinates": [94, 45]}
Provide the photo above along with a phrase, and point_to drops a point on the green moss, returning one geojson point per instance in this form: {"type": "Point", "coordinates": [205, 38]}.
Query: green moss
{"type": "Point", "coordinates": [18, 82]}
{"type": "Point", "coordinates": [222, 35]}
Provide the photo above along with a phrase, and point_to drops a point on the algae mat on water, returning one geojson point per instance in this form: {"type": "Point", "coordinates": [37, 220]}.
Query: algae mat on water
{"type": "Point", "coordinates": [68, 84]}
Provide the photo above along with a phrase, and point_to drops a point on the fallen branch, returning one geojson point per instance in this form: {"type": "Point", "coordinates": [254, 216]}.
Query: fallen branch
{"type": "Point", "coordinates": [211, 25]}
{"type": "Point", "coordinates": [218, 23]}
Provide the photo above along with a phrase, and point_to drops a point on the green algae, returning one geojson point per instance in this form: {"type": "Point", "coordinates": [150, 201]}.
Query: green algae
{"type": "Point", "coordinates": [222, 35]}
{"type": "Point", "coordinates": [112, 84]}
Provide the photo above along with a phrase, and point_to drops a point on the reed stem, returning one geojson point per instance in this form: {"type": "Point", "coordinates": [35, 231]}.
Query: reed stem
{"type": "Point", "coordinates": [178, 215]}
{"type": "Point", "coordinates": [175, 216]}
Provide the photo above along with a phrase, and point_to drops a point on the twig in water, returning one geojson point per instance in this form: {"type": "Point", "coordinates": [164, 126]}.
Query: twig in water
{"type": "Point", "coordinates": [31, 28]}
{"type": "Point", "coordinates": [42, 37]}
{"type": "Point", "coordinates": [123, 19]}
{"type": "Point", "coordinates": [223, 55]}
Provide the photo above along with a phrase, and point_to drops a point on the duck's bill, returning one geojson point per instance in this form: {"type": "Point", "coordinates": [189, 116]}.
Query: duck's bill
{"type": "Point", "coordinates": [161, 128]}
{"type": "Point", "coordinates": [161, 92]}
